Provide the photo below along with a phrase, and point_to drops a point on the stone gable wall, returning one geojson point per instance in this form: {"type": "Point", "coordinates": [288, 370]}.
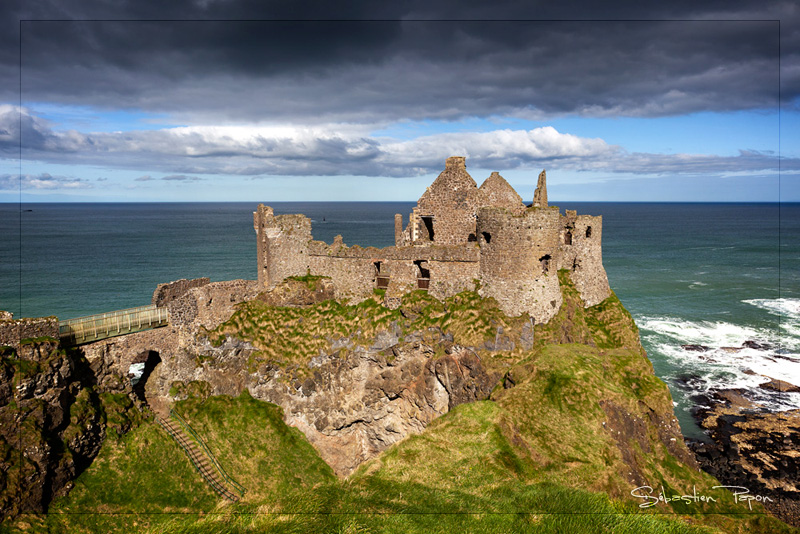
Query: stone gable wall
{"type": "Point", "coordinates": [452, 200]}
{"type": "Point", "coordinates": [497, 192]}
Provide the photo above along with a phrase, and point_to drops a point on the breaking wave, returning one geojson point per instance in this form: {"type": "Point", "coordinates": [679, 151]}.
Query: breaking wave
{"type": "Point", "coordinates": [725, 355]}
{"type": "Point", "coordinates": [788, 312]}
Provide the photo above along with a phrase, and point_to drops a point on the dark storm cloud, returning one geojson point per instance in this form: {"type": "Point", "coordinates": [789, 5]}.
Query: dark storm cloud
{"type": "Point", "coordinates": [388, 70]}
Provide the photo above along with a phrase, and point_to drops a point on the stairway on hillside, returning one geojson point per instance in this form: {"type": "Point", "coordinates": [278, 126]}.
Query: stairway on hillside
{"type": "Point", "coordinates": [202, 460]}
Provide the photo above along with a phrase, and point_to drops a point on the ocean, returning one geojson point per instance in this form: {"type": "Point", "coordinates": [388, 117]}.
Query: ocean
{"type": "Point", "coordinates": [716, 275]}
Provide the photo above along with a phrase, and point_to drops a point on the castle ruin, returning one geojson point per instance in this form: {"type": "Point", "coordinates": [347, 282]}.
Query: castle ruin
{"type": "Point", "coordinates": [458, 236]}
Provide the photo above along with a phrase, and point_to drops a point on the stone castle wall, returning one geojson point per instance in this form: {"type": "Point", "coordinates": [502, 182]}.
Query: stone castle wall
{"type": "Point", "coordinates": [210, 304]}
{"type": "Point", "coordinates": [457, 234]}
{"type": "Point", "coordinates": [282, 245]}
{"type": "Point", "coordinates": [581, 252]}
{"type": "Point", "coordinates": [166, 293]}
{"type": "Point", "coordinates": [12, 331]}
{"type": "Point", "coordinates": [452, 200]}
{"type": "Point", "coordinates": [354, 271]}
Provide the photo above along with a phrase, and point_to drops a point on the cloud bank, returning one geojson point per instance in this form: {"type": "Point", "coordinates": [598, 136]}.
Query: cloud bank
{"type": "Point", "coordinates": [349, 150]}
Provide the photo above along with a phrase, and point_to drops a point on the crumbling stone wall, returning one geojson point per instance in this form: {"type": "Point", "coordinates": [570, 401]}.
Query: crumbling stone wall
{"type": "Point", "coordinates": [452, 200]}
{"type": "Point", "coordinates": [540, 194]}
{"type": "Point", "coordinates": [354, 272]}
{"type": "Point", "coordinates": [497, 192]}
{"type": "Point", "coordinates": [457, 234]}
{"type": "Point", "coordinates": [12, 331]}
{"type": "Point", "coordinates": [166, 293]}
{"type": "Point", "coordinates": [282, 245]}
{"type": "Point", "coordinates": [210, 304]}
{"type": "Point", "coordinates": [581, 252]}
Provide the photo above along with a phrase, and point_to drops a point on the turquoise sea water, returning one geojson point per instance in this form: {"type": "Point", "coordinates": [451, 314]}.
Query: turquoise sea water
{"type": "Point", "coordinates": [710, 274]}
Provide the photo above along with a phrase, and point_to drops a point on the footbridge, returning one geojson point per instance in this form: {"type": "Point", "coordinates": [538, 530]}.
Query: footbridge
{"type": "Point", "coordinates": [116, 323]}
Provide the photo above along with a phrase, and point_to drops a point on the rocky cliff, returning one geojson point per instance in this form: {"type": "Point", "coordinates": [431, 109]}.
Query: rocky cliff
{"type": "Point", "coordinates": [53, 420]}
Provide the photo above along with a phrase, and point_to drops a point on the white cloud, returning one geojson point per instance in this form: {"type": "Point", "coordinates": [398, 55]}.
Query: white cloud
{"type": "Point", "coordinates": [345, 149]}
{"type": "Point", "coordinates": [43, 181]}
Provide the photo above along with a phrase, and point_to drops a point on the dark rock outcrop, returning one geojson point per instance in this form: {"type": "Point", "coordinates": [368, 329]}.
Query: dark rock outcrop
{"type": "Point", "coordinates": [752, 448]}
{"type": "Point", "coordinates": [50, 425]}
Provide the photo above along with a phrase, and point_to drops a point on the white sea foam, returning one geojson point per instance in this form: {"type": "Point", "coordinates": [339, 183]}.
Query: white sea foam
{"type": "Point", "coordinates": [727, 364]}
{"type": "Point", "coordinates": [785, 307]}
{"type": "Point", "coordinates": [788, 309]}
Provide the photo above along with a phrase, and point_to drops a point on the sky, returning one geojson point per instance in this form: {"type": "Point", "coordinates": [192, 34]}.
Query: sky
{"type": "Point", "coordinates": [238, 100]}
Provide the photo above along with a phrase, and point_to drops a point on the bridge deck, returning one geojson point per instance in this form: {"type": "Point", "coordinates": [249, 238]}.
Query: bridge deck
{"type": "Point", "coordinates": [117, 323]}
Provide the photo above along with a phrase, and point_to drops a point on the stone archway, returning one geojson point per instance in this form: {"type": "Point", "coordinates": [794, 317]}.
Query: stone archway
{"type": "Point", "coordinates": [141, 369]}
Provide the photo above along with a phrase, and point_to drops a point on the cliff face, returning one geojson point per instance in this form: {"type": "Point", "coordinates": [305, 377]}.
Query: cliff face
{"type": "Point", "coordinates": [53, 421]}
{"type": "Point", "coordinates": [352, 403]}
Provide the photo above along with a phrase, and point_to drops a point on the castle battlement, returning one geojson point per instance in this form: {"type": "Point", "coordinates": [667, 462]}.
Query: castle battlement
{"type": "Point", "coordinates": [457, 234]}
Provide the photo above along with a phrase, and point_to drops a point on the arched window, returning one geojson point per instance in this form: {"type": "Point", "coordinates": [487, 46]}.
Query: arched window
{"type": "Point", "coordinates": [588, 231]}
{"type": "Point", "coordinates": [568, 238]}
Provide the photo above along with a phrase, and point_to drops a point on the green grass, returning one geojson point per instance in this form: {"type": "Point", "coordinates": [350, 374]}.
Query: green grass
{"type": "Point", "coordinates": [276, 466]}
{"type": "Point", "coordinates": [471, 470]}
{"type": "Point", "coordinates": [139, 481]}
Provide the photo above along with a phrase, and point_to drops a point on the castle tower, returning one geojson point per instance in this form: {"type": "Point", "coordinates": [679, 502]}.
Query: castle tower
{"type": "Point", "coordinates": [581, 253]}
{"type": "Point", "coordinates": [540, 195]}
{"type": "Point", "coordinates": [519, 259]}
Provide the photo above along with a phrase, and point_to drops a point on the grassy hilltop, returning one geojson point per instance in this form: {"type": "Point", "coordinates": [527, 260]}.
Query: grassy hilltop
{"type": "Point", "coordinates": [574, 424]}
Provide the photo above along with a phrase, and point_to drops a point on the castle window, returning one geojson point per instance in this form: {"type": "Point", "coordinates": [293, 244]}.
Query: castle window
{"type": "Point", "coordinates": [423, 274]}
{"type": "Point", "coordinates": [471, 238]}
{"type": "Point", "coordinates": [487, 237]}
{"type": "Point", "coordinates": [588, 231]}
{"type": "Point", "coordinates": [427, 221]}
{"type": "Point", "coordinates": [381, 278]}
{"type": "Point", "coordinates": [568, 238]}
{"type": "Point", "coordinates": [545, 262]}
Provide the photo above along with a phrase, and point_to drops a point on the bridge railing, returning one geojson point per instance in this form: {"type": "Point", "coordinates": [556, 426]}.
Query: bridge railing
{"type": "Point", "coordinates": [116, 323]}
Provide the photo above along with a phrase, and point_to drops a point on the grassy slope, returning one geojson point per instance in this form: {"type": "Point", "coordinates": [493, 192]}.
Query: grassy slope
{"type": "Point", "coordinates": [537, 458]}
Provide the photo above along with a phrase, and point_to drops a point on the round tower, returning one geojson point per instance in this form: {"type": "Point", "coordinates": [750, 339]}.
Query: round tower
{"type": "Point", "coordinates": [519, 260]}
